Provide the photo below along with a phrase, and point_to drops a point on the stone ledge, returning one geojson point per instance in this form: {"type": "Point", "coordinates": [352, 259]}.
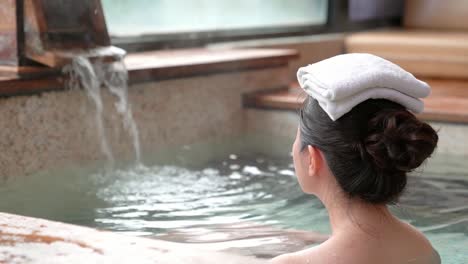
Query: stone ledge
{"type": "Point", "coordinates": [149, 66]}
{"type": "Point", "coordinates": [30, 240]}
{"type": "Point", "coordinates": [153, 66]}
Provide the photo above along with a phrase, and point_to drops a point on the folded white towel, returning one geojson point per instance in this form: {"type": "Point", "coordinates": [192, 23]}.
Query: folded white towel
{"type": "Point", "coordinates": [341, 82]}
{"type": "Point", "coordinates": [336, 109]}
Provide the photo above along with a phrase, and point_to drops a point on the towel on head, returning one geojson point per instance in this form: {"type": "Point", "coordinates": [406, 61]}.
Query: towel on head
{"type": "Point", "coordinates": [344, 81]}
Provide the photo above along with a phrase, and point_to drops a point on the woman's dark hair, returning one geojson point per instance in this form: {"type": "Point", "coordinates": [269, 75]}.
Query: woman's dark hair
{"type": "Point", "coordinates": [371, 148]}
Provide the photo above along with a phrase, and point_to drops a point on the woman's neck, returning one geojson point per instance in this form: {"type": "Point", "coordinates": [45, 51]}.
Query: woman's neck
{"type": "Point", "coordinates": [355, 215]}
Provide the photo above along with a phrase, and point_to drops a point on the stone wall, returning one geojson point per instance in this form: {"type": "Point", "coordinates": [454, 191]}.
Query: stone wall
{"type": "Point", "coordinates": [58, 128]}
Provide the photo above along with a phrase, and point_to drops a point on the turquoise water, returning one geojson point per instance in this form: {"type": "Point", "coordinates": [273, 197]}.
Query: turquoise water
{"type": "Point", "coordinates": [237, 200]}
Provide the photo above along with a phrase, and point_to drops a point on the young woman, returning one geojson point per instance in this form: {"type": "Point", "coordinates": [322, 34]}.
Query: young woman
{"type": "Point", "coordinates": [357, 165]}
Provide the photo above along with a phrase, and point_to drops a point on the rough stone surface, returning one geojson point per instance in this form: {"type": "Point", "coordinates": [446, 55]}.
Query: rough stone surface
{"type": "Point", "coordinates": [58, 128]}
{"type": "Point", "coordinates": [30, 240]}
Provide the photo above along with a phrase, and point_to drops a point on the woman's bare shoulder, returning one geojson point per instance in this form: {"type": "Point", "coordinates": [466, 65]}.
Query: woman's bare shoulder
{"type": "Point", "coordinates": [285, 258]}
{"type": "Point", "coordinates": [311, 256]}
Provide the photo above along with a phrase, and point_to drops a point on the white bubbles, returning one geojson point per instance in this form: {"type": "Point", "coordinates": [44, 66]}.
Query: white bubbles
{"type": "Point", "coordinates": [210, 171]}
{"type": "Point", "coordinates": [286, 172]}
{"type": "Point", "coordinates": [251, 170]}
{"type": "Point", "coordinates": [235, 176]}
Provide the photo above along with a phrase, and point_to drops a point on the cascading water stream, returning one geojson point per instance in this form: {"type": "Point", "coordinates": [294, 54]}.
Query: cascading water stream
{"type": "Point", "coordinates": [113, 75]}
{"type": "Point", "coordinates": [82, 74]}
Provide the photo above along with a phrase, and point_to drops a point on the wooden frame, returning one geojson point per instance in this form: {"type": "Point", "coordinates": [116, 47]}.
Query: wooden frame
{"type": "Point", "coordinates": [57, 30]}
{"type": "Point", "coordinates": [338, 20]}
{"type": "Point", "coordinates": [8, 33]}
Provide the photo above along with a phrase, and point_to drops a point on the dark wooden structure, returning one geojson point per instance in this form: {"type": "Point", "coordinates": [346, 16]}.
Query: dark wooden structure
{"type": "Point", "coordinates": [52, 32]}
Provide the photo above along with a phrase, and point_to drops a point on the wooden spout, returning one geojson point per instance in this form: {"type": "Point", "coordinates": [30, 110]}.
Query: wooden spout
{"type": "Point", "coordinates": [57, 30]}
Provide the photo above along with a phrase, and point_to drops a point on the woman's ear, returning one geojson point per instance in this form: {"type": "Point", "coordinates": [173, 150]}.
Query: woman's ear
{"type": "Point", "coordinates": [315, 160]}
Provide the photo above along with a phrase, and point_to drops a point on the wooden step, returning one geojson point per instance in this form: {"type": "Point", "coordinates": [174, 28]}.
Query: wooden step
{"type": "Point", "coordinates": [281, 99]}
{"type": "Point", "coordinates": [447, 103]}
{"type": "Point", "coordinates": [428, 54]}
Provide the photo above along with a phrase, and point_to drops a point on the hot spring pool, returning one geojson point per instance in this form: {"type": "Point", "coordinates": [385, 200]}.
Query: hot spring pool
{"type": "Point", "coordinates": [240, 200]}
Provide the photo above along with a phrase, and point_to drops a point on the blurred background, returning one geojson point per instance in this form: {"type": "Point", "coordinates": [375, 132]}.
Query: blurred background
{"type": "Point", "coordinates": [173, 120]}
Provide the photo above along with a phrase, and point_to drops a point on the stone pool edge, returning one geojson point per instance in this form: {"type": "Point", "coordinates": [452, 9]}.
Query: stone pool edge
{"type": "Point", "coordinates": [33, 240]}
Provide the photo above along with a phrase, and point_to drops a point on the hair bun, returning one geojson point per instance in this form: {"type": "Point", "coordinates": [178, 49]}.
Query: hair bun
{"type": "Point", "coordinates": [398, 142]}
{"type": "Point", "coordinates": [371, 148]}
